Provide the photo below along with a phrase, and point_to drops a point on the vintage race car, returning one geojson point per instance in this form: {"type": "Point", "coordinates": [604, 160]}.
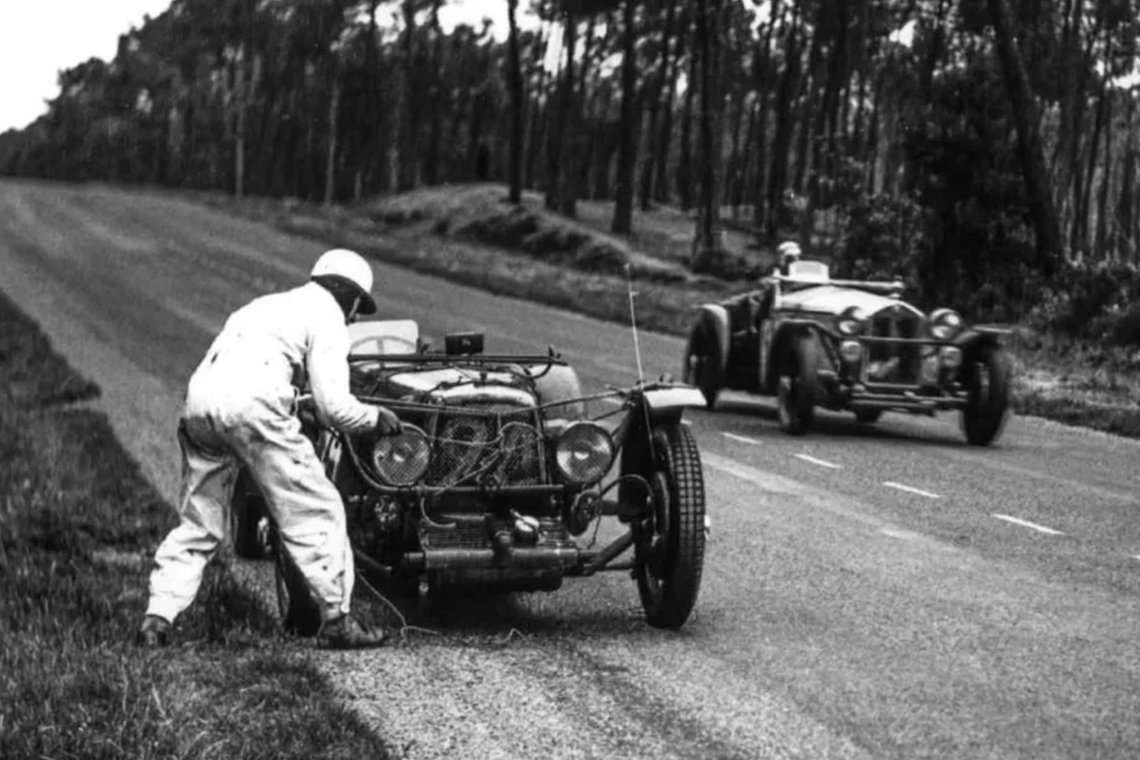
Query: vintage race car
{"type": "Point", "coordinates": [812, 341]}
{"type": "Point", "coordinates": [500, 477]}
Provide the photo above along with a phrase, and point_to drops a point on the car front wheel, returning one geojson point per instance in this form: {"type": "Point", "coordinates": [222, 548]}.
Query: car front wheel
{"type": "Point", "coordinates": [987, 409]}
{"type": "Point", "coordinates": [798, 386]}
{"type": "Point", "coordinates": [704, 361]}
{"type": "Point", "coordinates": [671, 545]}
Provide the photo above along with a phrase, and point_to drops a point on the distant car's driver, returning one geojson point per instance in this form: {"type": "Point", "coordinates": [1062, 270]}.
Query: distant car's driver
{"type": "Point", "coordinates": [787, 253]}
{"type": "Point", "coordinates": [241, 408]}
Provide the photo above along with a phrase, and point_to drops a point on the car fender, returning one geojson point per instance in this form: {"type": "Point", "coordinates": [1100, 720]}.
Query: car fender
{"type": "Point", "coordinates": [670, 402]}
{"type": "Point", "coordinates": [782, 333]}
{"type": "Point", "coordinates": [717, 316]}
{"type": "Point", "coordinates": [973, 338]}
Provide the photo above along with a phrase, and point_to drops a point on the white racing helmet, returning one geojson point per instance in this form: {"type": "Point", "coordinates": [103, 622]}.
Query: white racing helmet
{"type": "Point", "coordinates": [788, 251]}
{"type": "Point", "coordinates": [350, 267]}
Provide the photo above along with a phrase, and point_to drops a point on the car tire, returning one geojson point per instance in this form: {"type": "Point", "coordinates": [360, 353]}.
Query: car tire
{"type": "Point", "coordinates": [300, 614]}
{"type": "Point", "coordinates": [704, 361]}
{"type": "Point", "coordinates": [868, 416]}
{"type": "Point", "coordinates": [670, 553]}
{"type": "Point", "coordinates": [247, 509]}
{"type": "Point", "coordinates": [989, 378]}
{"type": "Point", "coordinates": [797, 384]}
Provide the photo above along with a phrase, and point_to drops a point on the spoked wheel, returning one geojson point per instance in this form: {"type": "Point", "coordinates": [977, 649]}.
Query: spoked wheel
{"type": "Point", "coordinates": [797, 390]}
{"type": "Point", "coordinates": [985, 415]}
{"type": "Point", "coordinates": [300, 614]}
{"type": "Point", "coordinates": [704, 362]}
{"type": "Point", "coordinates": [671, 546]}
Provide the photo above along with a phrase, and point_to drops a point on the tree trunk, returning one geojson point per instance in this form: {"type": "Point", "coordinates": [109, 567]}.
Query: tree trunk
{"type": "Point", "coordinates": [437, 102]}
{"type": "Point", "coordinates": [1034, 172]}
{"type": "Point", "coordinates": [764, 57]}
{"type": "Point", "coordinates": [707, 244]}
{"type": "Point", "coordinates": [518, 103]}
{"type": "Point", "coordinates": [630, 127]}
{"type": "Point", "coordinates": [1080, 237]}
{"type": "Point", "coordinates": [1127, 218]}
{"type": "Point", "coordinates": [1102, 224]}
{"type": "Point", "coordinates": [558, 133]}
{"type": "Point", "coordinates": [782, 140]}
{"type": "Point", "coordinates": [653, 129]}
{"type": "Point", "coordinates": [408, 164]}
{"type": "Point", "coordinates": [664, 137]}
{"type": "Point", "coordinates": [239, 147]}
{"type": "Point", "coordinates": [685, 162]}
{"type": "Point", "coordinates": [330, 156]}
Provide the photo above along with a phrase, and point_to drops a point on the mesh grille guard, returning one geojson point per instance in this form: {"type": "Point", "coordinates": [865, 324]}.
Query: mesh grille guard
{"type": "Point", "coordinates": [488, 444]}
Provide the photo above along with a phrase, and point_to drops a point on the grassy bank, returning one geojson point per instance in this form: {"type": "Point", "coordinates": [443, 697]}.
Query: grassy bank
{"type": "Point", "coordinates": [468, 234]}
{"type": "Point", "coordinates": [78, 525]}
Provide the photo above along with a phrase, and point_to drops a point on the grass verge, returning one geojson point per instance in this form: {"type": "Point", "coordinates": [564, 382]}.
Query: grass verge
{"type": "Point", "coordinates": [467, 234]}
{"type": "Point", "coordinates": [78, 525]}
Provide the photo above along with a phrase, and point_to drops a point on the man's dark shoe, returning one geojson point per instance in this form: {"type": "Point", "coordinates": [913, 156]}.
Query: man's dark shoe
{"type": "Point", "coordinates": [154, 632]}
{"type": "Point", "coordinates": [345, 632]}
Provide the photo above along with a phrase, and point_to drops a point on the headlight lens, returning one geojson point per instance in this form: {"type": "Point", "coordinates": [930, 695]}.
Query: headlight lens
{"type": "Point", "coordinates": [401, 460]}
{"type": "Point", "coordinates": [945, 324]}
{"type": "Point", "coordinates": [851, 321]}
{"type": "Point", "coordinates": [851, 351]}
{"type": "Point", "coordinates": [584, 453]}
{"type": "Point", "coordinates": [951, 357]}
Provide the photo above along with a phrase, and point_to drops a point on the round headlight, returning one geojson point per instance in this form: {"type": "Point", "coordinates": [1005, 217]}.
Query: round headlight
{"type": "Point", "coordinates": [851, 321]}
{"type": "Point", "coordinates": [851, 351]}
{"type": "Point", "coordinates": [584, 453]}
{"type": "Point", "coordinates": [945, 324]}
{"type": "Point", "coordinates": [401, 460]}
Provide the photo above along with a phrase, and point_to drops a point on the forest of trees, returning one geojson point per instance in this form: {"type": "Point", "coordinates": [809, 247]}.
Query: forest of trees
{"type": "Point", "coordinates": [988, 150]}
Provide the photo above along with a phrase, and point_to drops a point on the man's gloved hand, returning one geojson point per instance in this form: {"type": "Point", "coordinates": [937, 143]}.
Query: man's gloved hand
{"type": "Point", "coordinates": [387, 423]}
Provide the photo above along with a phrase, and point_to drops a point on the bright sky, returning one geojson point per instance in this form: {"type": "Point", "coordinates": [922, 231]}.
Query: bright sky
{"type": "Point", "coordinates": [38, 38]}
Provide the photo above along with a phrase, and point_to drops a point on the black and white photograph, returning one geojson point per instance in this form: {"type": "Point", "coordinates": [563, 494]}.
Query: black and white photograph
{"type": "Point", "coordinates": [570, 379]}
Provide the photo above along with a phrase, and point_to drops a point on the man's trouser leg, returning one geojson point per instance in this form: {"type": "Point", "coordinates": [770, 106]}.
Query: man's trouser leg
{"type": "Point", "coordinates": [305, 505]}
{"type": "Point", "coordinates": [207, 486]}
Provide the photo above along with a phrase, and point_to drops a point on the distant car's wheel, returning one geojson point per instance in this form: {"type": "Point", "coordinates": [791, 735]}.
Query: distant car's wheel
{"type": "Point", "coordinates": [300, 614]}
{"type": "Point", "coordinates": [247, 513]}
{"type": "Point", "coordinates": [671, 550]}
{"type": "Point", "coordinates": [704, 361]}
{"type": "Point", "coordinates": [797, 390]}
{"type": "Point", "coordinates": [989, 376]}
{"type": "Point", "coordinates": [868, 416]}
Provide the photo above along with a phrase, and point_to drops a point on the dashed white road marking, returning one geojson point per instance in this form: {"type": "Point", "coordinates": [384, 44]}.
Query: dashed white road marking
{"type": "Point", "coordinates": [1027, 524]}
{"type": "Point", "coordinates": [741, 438]}
{"type": "Point", "coordinates": [820, 462]}
{"type": "Point", "coordinates": [910, 489]}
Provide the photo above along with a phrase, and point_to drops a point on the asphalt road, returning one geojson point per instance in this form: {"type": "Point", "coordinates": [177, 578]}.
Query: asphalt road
{"type": "Point", "coordinates": [869, 593]}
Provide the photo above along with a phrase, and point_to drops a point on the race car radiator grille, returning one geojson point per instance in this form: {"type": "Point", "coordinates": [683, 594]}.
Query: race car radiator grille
{"type": "Point", "coordinates": [488, 445]}
{"type": "Point", "coordinates": [889, 362]}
